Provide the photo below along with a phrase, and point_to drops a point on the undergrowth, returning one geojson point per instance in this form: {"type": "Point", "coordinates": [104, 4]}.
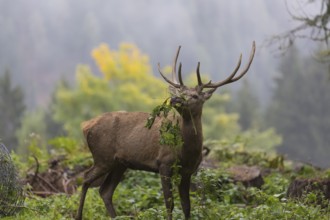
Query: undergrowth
{"type": "Point", "coordinates": [139, 196]}
{"type": "Point", "coordinates": [214, 196]}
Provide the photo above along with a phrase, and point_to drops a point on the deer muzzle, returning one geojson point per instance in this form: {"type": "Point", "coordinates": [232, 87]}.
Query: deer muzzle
{"type": "Point", "coordinates": [176, 100]}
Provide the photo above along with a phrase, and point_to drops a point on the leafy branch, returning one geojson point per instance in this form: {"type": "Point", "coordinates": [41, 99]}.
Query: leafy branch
{"type": "Point", "coordinates": [170, 133]}
{"type": "Point", "coordinates": [163, 109]}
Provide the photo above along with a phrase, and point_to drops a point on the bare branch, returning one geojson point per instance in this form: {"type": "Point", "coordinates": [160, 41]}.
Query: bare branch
{"type": "Point", "coordinates": [315, 27]}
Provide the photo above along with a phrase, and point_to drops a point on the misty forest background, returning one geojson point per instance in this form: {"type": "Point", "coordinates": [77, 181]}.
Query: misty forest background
{"type": "Point", "coordinates": [62, 62]}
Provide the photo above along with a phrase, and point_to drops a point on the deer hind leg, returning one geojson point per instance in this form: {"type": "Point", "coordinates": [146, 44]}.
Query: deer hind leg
{"type": "Point", "coordinates": [184, 187]}
{"type": "Point", "coordinates": [108, 187]}
{"type": "Point", "coordinates": [165, 175]}
{"type": "Point", "coordinates": [91, 175]}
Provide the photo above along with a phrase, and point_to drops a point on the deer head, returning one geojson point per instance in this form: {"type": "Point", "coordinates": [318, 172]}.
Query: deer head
{"type": "Point", "coordinates": [192, 99]}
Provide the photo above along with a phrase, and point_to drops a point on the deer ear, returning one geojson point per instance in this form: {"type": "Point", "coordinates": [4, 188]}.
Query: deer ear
{"type": "Point", "coordinates": [208, 93]}
{"type": "Point", "coordinates": [171, 89]}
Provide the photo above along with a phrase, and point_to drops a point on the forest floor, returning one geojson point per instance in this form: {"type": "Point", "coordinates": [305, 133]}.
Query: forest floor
{"type": "Point", "coordinates": [230, 184]}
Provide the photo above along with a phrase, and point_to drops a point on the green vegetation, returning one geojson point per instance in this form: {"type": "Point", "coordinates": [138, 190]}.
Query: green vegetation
{"type": "Point", "coordinates": [11, 191]}
{"type": "Point", "coordinates": [11, 110]}
{"type": "Point", "coordinates": [215, 195]}
{"type": "Point", "coordinates": [169, 130]}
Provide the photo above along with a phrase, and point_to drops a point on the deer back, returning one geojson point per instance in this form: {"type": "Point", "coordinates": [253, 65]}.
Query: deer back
{"type": "Point", "coordinates": [122, 136]}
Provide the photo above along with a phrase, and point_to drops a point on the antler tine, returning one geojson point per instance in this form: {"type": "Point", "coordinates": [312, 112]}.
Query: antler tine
{"type": "Point", "coordinates": [180, 75]}
{"type": "Point", "coordinates": [167, 80]}
{"type": "Point", "coordinates": [174, 77]}
{"type": "Point", "coordinates": [174, 81]}
{"type": "Point", "coordinates": [247, 67]}
{"type": "Point", "coordinates": [231, 78]}
{"type": "Point", "coordinates": [200, 83]}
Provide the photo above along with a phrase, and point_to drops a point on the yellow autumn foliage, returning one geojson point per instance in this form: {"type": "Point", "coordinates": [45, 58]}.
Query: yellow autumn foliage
{"type": "Point", "coordinates": [126, 83]}
{"type": "Point", "coordinates": [130, 68]}
{"type": "Point", "coordinates": [128, 63]}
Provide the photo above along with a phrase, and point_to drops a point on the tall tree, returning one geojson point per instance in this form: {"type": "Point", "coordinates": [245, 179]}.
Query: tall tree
{"type": "Point", "coordinates": [11, 110]}
{"type": "Point", "coordinates": [246, 104]}
{"type": "Point", "coordinates": [300, 110]}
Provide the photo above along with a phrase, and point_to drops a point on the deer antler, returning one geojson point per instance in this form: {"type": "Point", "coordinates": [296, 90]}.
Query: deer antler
{"type": "Point", "coordinates": [199, 80]}
{"type": "Point", "coordinates": [174, 81]}
{"type": "Point", "coordinates": [231, 78]}
{"type": "Point", "coordinates": [201, 85]}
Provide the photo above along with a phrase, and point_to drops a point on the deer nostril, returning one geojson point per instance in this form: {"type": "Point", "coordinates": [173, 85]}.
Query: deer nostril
{"type": "Point", "coordinates": [175, 100]}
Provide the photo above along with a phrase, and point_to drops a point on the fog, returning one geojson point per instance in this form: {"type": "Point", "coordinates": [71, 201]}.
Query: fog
{"type": "Point", "coordinates": [42, 41]}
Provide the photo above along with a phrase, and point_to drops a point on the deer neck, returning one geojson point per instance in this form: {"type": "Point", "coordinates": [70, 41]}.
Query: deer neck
{"type": "Point", "coordinates": [192, 135]}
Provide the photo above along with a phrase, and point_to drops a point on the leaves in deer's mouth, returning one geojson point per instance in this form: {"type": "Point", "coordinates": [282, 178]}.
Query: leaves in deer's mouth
{"type": "Point", "coordinates": [159, 110]}
{"type": "Point", "coordinates": [170, 133]}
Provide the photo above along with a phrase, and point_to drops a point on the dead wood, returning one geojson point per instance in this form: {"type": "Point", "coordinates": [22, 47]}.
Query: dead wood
{"type": "Point", "coordinates": [57, 178]}
{"type": "Point", "coordinates": [248, 176]}
{"type": "Point", "coordinates": [300, 187]}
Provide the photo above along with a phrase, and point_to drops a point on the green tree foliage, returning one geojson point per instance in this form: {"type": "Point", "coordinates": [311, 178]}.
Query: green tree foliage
{"type": "Point", "coordinates": [11, 110]}
{"type": "Point", "coordinates": [54, 129]}
{"type": "Point", "coordinates": [224, 127]}
{"type": "Point", "coordinates": [219, 124]}
{"type": "Point", "coordinates": [37, 127]}
{"type": "Point", "coordinates": [33, 129]}
{"type": "Point", "coordinates": [246, 104]}
{"type": "Point", "coordinates": [126, 83]}
{"type": "Point", "coordinates": [300, 110]}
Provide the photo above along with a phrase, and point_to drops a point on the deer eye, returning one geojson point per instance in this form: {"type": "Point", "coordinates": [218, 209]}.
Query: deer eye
{"type": "Point", "coordinates": [195, 96]}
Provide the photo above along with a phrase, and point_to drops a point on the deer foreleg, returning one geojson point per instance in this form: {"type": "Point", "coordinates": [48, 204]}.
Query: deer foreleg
{"type": "Point", "coordinates": [165, 174]}
{"type": "Point", "coordinates": [184, 187]}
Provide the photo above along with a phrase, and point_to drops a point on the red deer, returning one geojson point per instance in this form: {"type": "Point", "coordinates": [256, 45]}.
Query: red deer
{"type": "Point", "coordinates": [120, 140]}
